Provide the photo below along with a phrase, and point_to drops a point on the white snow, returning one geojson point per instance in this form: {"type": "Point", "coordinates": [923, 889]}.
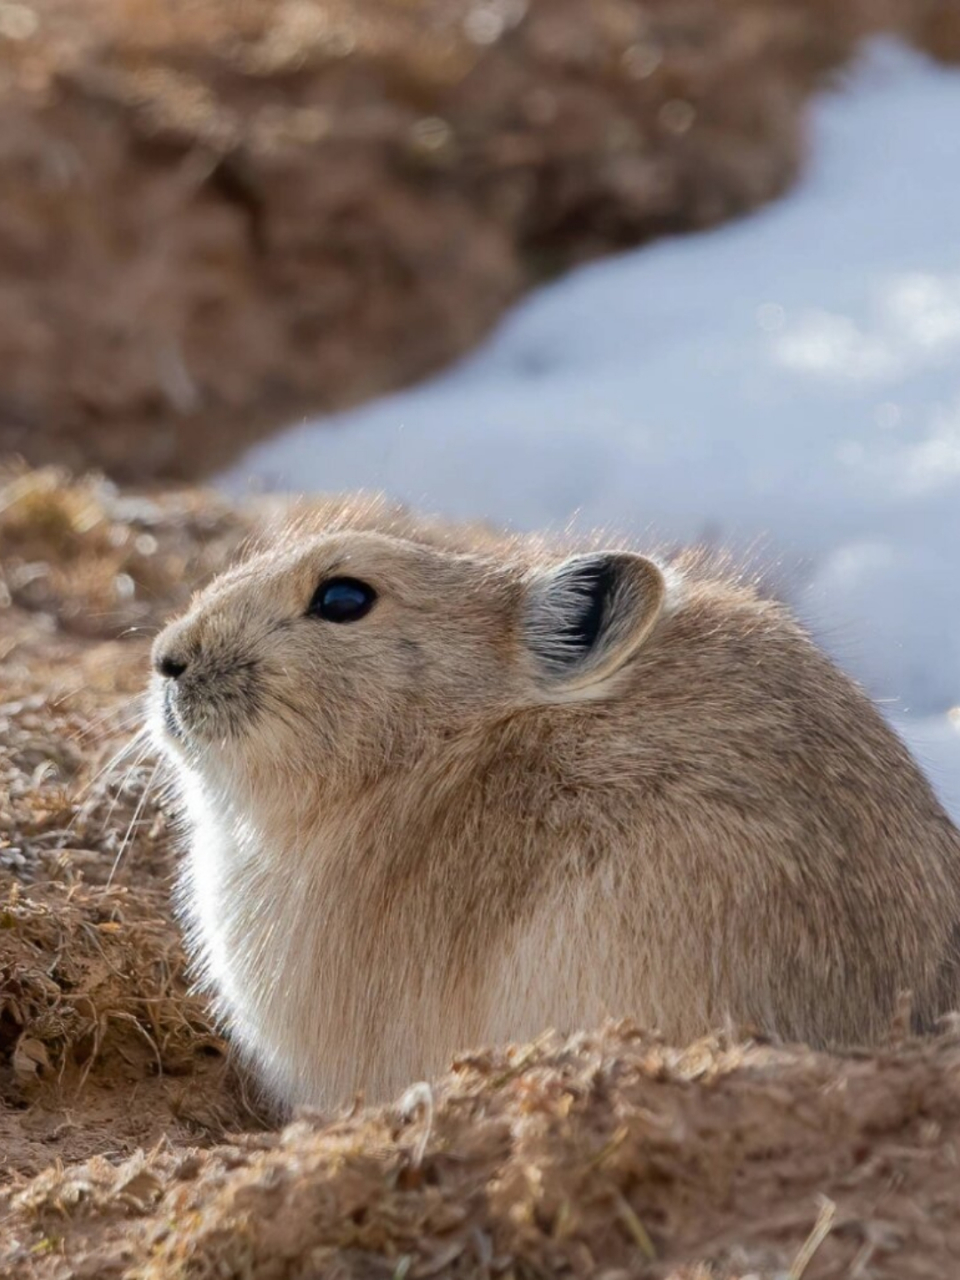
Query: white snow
{"type": "Point", "coordinates": [791, 381]}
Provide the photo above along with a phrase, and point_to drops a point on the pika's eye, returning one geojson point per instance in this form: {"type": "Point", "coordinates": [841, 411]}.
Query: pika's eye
{"type": "Point", "coordinates": [342, 600]}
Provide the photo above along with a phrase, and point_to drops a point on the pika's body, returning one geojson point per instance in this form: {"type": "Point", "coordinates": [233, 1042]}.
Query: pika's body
{"type": "Point", "coordinates": [447, 790]}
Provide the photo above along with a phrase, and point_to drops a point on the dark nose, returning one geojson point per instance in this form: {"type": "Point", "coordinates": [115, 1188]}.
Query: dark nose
{"type": "Point", "coordinates": [167, 664]}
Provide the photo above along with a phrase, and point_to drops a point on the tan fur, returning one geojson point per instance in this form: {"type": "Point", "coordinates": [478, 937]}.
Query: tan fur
{"type": "Point", "coordinates": [409, 838]}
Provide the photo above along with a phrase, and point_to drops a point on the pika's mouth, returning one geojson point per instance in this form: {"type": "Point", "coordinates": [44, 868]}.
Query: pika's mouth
{"type": "Point", "coordinates": [187, 714]}
{"type": "Point", "coordinates": [170, 720]}
{"type": "Point", "coordinates": [196, 709]}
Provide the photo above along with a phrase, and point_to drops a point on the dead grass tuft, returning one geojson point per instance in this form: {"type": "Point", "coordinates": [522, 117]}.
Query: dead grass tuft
{"type": "Point", "coordinates": [101, 1044]}
{"type": "Point", "coordinates": [609, 1154]}
{"type": "Point", "coordinates": [98, 562]}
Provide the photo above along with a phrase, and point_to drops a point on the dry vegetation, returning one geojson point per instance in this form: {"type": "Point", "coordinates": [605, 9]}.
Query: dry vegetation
{"type": "Point", "coordinates": [218, 215]}
{"type": "Point", "coordinates": [215, 214]}
{"type": "Point", "coordinates": [100, 1047]}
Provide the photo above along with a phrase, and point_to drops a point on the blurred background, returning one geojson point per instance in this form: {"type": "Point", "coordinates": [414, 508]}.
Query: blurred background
{"type": "Point", "coordinates": [688, 269]}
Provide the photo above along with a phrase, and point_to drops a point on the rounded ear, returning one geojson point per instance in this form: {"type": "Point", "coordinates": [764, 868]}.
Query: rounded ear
{"type": "Point", "coordinates": [584, 618]}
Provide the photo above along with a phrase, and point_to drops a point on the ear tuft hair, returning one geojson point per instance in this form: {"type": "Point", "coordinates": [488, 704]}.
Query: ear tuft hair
{"type": "Point", "coordinates": [585, 617]}
{"type": "Point", "coordinates": [588, 590]}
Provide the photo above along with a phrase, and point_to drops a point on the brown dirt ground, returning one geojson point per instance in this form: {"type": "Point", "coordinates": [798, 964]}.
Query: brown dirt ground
{"type": "Point", "coordinates": [131, 1146]}
{"type": "Point", "coordinates": [217, 216]}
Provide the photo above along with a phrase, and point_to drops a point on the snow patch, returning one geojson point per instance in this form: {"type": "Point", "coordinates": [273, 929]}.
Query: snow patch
{"type": "Point", "coordinates": [791, 381]}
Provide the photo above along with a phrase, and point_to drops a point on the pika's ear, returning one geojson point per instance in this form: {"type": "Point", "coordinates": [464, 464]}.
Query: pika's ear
{"type": "Point", "coordinates": [584, 618]}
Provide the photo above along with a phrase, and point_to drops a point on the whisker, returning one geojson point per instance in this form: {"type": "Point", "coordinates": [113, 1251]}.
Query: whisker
{"type": "Point", "coordinates": [94, 736]}
{"type": "Point", "coordinates": [57, 702]}
{"type": "Point", "coordinates": [153, 630]}
{"type": "Point", "coordinates": [133, 822]}
{"type": "Point", "coordinates": [128, 774]}
{"type": "Point", "coordinates": [136, 741]}
{"type": "Point", "coordinates": [120, 719]}
{"type": "Point", "coordinates": [86, 798]}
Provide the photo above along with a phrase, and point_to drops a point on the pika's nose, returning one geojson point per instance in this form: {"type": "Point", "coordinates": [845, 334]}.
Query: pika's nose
{"type": "Point", "coordinates": [170, 665]}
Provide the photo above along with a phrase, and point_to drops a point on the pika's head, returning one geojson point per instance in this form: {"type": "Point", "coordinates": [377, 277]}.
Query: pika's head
{"type": "Point", "coordinates": [332, 655]}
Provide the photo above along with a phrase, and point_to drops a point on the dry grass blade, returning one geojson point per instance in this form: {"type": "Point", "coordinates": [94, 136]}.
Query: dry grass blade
{"type": "Point", "coordinates": [821, 1229]}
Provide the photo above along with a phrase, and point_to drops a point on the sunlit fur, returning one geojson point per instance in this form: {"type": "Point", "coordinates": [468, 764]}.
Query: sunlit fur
{"type": "Point", "coordinates": [408, 840]}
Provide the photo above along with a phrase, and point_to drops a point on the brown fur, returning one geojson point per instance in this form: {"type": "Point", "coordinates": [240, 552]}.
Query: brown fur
{"type": "Point", "coordinates": [411, 835]}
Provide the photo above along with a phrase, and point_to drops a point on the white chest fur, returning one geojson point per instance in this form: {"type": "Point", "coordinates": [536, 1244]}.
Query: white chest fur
{"type": "Point", "coordinates": [329, 993]}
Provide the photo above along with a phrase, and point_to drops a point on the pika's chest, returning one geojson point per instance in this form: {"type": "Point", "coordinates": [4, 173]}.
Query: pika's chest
{"type": "Point", "coordinates": [309, 967]}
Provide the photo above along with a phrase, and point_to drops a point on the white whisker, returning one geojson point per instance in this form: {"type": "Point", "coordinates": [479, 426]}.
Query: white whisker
{"type": "Point", "coordinates": [133, 822]}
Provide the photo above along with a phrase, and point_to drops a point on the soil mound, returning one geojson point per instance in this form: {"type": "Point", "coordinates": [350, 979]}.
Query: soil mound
{"type": "Point", "coordinates": [216, 217]}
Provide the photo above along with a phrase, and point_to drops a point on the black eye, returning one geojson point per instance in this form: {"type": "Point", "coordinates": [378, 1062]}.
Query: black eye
{"type": "Point", "coordinates": [342, 600]}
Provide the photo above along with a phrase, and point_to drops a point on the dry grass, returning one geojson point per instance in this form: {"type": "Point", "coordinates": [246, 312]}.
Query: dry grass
{"type": "Point", "coordinates": [101, 563]}
{"type": "Point", "coordinates": [609, 1155]}
{"type": "Point", "coordinates": [101, 1047]}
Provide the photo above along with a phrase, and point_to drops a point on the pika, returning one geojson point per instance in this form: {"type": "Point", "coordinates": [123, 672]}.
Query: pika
{"type": "Point", "coordinates": [448, 789]}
